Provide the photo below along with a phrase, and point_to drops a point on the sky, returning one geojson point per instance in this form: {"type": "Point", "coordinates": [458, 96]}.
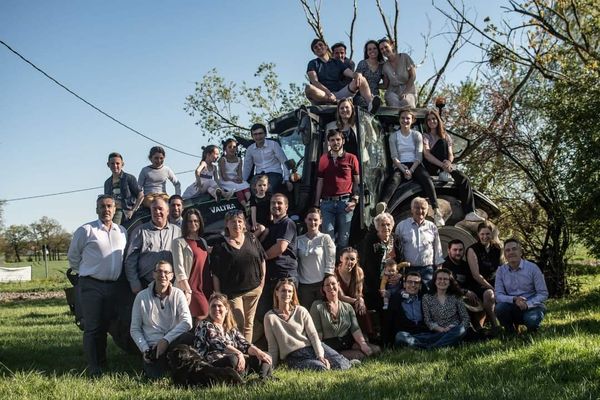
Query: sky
{"type": "Point", "coordinates": [138, 60]}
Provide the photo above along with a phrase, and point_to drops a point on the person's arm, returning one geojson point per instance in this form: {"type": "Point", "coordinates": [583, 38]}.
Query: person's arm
{"type": "Point", "coordinates": [132, 259]}
{"type": "Point", "coordinates": [179, 268]}
{"type": "Point", "coordinates": [199, 169]}
{"type": "Point", "coordinates": [182, 313]}
{"type": "Point", "coordinates": [273, 347]}
{"type": "Point", "coordinates": [438, 256]}
{"type": "Point", "coordinates": [76, 248]}
{"type": "Point", "coordinates": [277, 249]}
{"type": "Point", "coordinates": [311, 333]}
{"type": "Point", "coordinates": [318, 191]}
{"type": "Point", "coordinates": [221, 170]}
{"type": "Point", "coordinates": [427, 314]}
{"type": "Point", "coordinates": [474, 267]}
{"type": "Point", "coordinates": [135, 329]}
{"type": "Point", "coordinates": [314, 80]}
{"type": "Point", "coordinates": [248, 164]}
{"type": "Point", "coordinates": [315, 315]}
{"type": "Point", "coordinates": [541, 290]}
{"type": "Point", "coordinates": [329, 254]}
{"type": "Point", "coordinates": [410, 82]}
{"type": "Point", "coordinates": [418, 141]}
{"type": "Point", "coordinates": [355, 198]}
{"type": "Point", "coordinates": [261, 355]}
{"type": "Point", "coordinates": [502, 295]}
{"type": "Point", "coordinates": [253, 217]}
{"type": "Point", "coordinates": [465, 320]}
{"type": "Point", "coordinates": [174, 181]}
{"type": "Point", "coordinates": [282, 158]}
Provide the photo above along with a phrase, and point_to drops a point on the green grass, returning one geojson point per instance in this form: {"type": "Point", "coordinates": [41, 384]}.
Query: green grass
{"type": "Point", "coordinates": [56, 277]}
{"type": "Point", "coordinates": [41, 357]}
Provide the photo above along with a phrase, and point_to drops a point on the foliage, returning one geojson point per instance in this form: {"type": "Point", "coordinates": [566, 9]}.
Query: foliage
{"type": "Point", "coordinates": [44, 233]}
{"type": "Point", "coordinates": [224, 109]}
{"type": "Point", "coordinates": [42, 357]}
{"type": "Point", "coordinates": [16, 237]}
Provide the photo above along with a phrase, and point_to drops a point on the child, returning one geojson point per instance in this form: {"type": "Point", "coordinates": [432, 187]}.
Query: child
{"type": "Point", "coordinates": [153, 178]}
{"type": "Point", "coordinates": [207, 175]}
{"type": "Point", "coordinates": [260, 206]}
{"type": "Point", "coordinates": [390, 270]}
{"type": "Point", "coordinates": [230, 170]}
{"type": "Point", "coordinates": [124, 188]}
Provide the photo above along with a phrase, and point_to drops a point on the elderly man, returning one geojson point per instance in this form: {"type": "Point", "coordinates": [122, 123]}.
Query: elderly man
{"type": "Point", "coordinates": [420, 241]}
{"type": "Point", "coordinates": [520, 291]}
{"type": "Point", "coordinates": [96, 253]}
{"type": "Point", "coordinates": [175, 209]}
{"type": "Point", "coordinates": [160, 320]}
{"type": "Point", "coordinates": [150, 243]}
{"type": "Point", "coordinates": [327, 79]}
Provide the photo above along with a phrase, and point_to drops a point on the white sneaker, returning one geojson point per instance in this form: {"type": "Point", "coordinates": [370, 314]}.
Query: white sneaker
{"type": "Point", "coordinates": [444, 176]}
{"type": "Point", "coordinates": [355, 362]}
{"type": "Point", "coordinates": [380, 207]}
{"type": "Point", "coordinates": [473, 217]}
{"type": "Point", "coordinates": [438, 219]}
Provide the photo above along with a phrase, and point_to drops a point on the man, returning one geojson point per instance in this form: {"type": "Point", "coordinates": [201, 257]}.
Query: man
{"type": "Point", "coordinates": [124, 189]}
{"type": "Point", "coordinates": [280, 246]}
{"type": "Point", "coordinates": [520, 291]}
{"type": "Point", "coordinates": [150, 243]}
{"type": "Point", "coordinates": [339, 53]}
{"type": "Point", "coordinates": [96, 253]}
{"type": "Point", "coordinates": [407, 314]}
{"type": "Point", "coordinates": [160, 320]}
{"type": "Point", "coordinates": [175, 210]}
{"type": "Point", "coordinates": [420, 241]}
{"type": "Point", "coordinates": [327, 75]}
{"type": "Point", "coordinates": [266, 158]}
{"type": "Point", "coordinates": [337, 189]}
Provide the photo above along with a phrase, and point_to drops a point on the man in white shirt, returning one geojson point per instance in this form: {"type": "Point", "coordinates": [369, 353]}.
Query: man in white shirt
{"type": "Point", "coordinates": [267, 158]}
{"type": "Point", "coordinates": [160, 319]}
{"type": "Point", "coordinates": [96, 254]}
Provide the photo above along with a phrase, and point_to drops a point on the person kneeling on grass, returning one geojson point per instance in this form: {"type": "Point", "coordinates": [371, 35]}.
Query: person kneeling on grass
{"type": "Point", "coordinates": [160, 320]}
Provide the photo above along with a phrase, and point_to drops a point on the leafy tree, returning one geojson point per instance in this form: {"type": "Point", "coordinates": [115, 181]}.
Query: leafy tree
{"type": "Point", "coordinates": [43, 233]}
{"type": "Point", "coordinates": [17, 239]}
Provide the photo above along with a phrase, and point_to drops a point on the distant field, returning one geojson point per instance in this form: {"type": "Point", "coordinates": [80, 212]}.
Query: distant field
{"type": "Point", "coordinates": [56, 277]}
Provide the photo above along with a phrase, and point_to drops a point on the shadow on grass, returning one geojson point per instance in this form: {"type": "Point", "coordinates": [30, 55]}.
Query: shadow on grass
{"type": "Point", "coordinates": [589, 300]}
{"type": "Point", "coordinates": [34, 303]}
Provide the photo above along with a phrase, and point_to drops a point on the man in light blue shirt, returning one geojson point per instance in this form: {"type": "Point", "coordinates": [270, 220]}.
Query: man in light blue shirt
{"type": "Point", "coordinates": [520, 291]}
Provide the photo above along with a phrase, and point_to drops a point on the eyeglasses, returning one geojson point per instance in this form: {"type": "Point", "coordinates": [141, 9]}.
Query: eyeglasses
{"type": "Point", "coordinates": [162, 272]}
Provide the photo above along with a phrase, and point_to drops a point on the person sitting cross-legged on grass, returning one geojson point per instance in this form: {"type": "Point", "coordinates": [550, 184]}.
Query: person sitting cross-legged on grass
{"type": "Point", "coordinates": [520, 290]}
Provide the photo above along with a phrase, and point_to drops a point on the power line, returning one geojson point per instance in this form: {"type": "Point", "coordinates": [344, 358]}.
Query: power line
{"type": "Point", "coordinates": [70, 191]}
{"type": "Point", "coordinates": [93, 106]}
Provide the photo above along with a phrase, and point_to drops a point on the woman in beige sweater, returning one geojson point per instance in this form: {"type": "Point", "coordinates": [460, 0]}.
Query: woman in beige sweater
{"type": "Point", "coordinates": [292, 336]}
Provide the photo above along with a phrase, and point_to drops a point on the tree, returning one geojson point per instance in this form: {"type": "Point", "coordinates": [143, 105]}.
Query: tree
{"type": "Point", "coordinates": [43, 234]}
{"type": "Point", "coordinates": [17, 238]}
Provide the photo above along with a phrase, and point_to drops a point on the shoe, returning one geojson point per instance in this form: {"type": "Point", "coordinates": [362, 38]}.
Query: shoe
{"type": "Point", "coordinates": [444, 176]}
{"type": "Point", "coordinates": [473, 217]}
{"type": "Point", "coordinates": [438, 219]}
{"type": "Point", "coordinates": [374, 105]}
{"type": "Point", "coordinates": [380, 207]}
{"type": "Point", "coordinates": [355, 362]}
{"type": "Point", "coordinates": [218, 194]}
{"type": "Point", "coordinates": [228, 194]}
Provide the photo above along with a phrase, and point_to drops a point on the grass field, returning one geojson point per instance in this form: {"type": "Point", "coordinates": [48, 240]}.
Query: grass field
{"type": "Point", "coordinates": [56, 277]}
{"type": "Point", "coordinates": [41, 357]}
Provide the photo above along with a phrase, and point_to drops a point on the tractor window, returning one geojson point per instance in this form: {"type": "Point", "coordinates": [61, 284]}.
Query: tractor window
{"type": "Point", "coordinates": [291, 143]}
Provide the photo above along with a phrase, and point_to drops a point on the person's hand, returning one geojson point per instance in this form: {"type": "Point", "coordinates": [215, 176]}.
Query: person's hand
{"type": "Point", "coordinates": [241, 365]}
{"type": "Point", "coordinates": [264, 357]}
{"type": "Point", "coordinates": [447, 166]}
{"type": "Point", "coordinates": [237, 180]}
{"type": "Point", "coordinates": [408, 174]}
{"type": "Point", "coordinates": [394, 279]}
{"type": "Point", "coordinates": [382, 292]}
{"type": "Point", "coordinates": [350, 206]}
{"type": "Point", "coordinates": [472, 297]}
{"type": "Point", "coordinates": [365, 348]}
{"type": "Point", "coordinates": [325, 362]}
{"type": "Point", "coordinates": [361, 309]}
{"type": "Point", "coordinates": [161, 347]}
{"type": "Point", "coordinates": [188, 297]}
{"type": "Point", "coordinates": [521, 302]}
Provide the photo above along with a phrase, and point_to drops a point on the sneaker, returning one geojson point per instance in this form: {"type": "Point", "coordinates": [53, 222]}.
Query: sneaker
{"type": "Point", "coordinates": [355, 362]}
{"type": "Point", "coordinates": [444, 176]}
{"type": "Point", "coordinates": [374, 105]}
{"type": "Point", "coordinates": [218, 194]}
{"type": "Point", "coordinates": [380, 207]}
{"type": "Point", "coordinates": [438, 219]}
{"type": "Point", "coordinates": [473, 217]}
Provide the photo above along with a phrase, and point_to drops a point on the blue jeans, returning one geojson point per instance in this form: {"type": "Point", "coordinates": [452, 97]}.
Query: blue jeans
{"type": "Point", "coordinates": [510, 316]}
{"type": "Point", "coordinates": [337, 221]}
{"type": "Point", "coordinates": [431, 340]}
{"type": "Point", "coordinates": [306, 358]}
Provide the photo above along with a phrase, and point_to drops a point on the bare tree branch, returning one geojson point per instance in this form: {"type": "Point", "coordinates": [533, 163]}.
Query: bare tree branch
{"type": "Point", "coordinates": [396, 15]}
{"type": "Point", "coordinates": [313, 18]}
{"type": "Point", "coordinates": [351, 35]}
{"type": "Point", "coordinates": [385, 21]}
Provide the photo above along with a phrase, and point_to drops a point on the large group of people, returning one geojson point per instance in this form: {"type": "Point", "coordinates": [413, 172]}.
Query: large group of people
{"type": "Point", "coordinates": [262, 295]}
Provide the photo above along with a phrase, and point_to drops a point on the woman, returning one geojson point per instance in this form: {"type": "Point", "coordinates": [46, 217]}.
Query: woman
{"type": "Point", "coordinates": [444, 310]}
{"type": "Point", "coordinates": [292, 337]}
{"type": "Point", "coordinates": [238, 267]}
{"type": "Point", "coordinates": [351, 278]}
{"type": "Point", "coordinates": [222, 345]}
{"type": "Point", "coordinates": [484, 257]}
{"type": "Point", "coordinates": [406, 148]}
{"type": "Point", "coordinates": [336, 323]}
{"type": "Point", "coordinates": [371, 67]}
{"type": "Point", "coordinates": [316, 258]}
{"type": "Point", "coordinates": [230, 172]}
{"type": "Point", "coordinates": [437, 149]}
{"type": "Point", "coordinates": [399, 75]}
{"type": "Point", "coordinates": [190, 264]}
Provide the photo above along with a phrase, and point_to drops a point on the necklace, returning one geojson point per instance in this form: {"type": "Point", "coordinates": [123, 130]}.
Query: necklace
{"type": "Point", "coordinates": [237, 241]}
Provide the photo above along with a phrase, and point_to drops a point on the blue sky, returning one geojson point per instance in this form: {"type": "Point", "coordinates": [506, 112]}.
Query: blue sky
{"type": "Point", "coordinates": [138, 60]}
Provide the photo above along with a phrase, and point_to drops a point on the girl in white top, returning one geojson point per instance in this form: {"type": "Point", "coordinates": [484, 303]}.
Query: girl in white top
{"type": "Point", "coordinates": [406, 149]}
{"type": "Point", "coordinates": [153, 178]}
{"type": "Point", "coordinates": [207, 178]}
{"type": "Point", "coordinates": [230, 171]}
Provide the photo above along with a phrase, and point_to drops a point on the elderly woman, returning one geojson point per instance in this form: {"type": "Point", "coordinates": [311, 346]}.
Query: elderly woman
{"type": "Point", "coordinates": [316, 258]}
{"type": "Point", "coordinates": [222, 345]}
{"type": "Point", "coordinates": [444, 311]}
{"type": "Point", "coordinates": [292, 337]}
{"type": "Point", "coordinates": [371, 67]}
{"type": "Point", "coordinates": [484, 258]}
{"type": "Point", "coordinates": [238, 266]}
{"type": "Point", "coordinates": [190, 264]}
{"type": "Point", "coordinates": [336, 323]}
{"type": "Point", "coordinates": [399, 75]}
{"type": "Point", "coordinates": [437, 150]}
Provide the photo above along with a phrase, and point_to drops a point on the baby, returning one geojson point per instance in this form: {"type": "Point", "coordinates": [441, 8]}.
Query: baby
{"type": "Point", "coordinates": [391, 269]}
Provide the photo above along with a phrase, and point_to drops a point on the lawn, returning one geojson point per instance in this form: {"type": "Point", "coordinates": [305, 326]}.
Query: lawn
{"type": "Point", "coordinates": [41, 357]}
{"type": "Point", "coordinates": [56, 277]}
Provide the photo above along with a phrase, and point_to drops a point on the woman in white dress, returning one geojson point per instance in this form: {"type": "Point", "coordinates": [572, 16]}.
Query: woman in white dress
{"type": "Point", "coordinates": [230, 171]}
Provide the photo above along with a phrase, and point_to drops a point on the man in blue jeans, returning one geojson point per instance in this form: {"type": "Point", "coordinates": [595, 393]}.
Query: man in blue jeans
{"type": "Point", "coordinates": [520, 291]}
{"type": "Point", "coordinates": [406, 312]}
{"type": "Point", "coordinates": [337, 189]}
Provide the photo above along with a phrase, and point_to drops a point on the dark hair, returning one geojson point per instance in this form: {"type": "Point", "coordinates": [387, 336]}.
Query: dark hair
{"type": "Point", "coordinates": [453, 288]}
{"type": "Point", "coordinates": [413, 273]}
{"type": "Point", "coordinates": [314, 210]}
{"type": "Point", "coordinates": [156, 149]}
{"type": "Point", "coordinates": [455, 241]}
{"type": "Point", "coordinates": [186, 215]}
{"type": "Point", "coordinates": [338, 44]}
{"type": "Point", "coordinates": [379, 56]}
{"type": "Point", "coordinates": [104, 197]}
{"type": "Point", "coordinates": [384, 40]}
{"type": "Point", "coordinates": [226, 143]}
{"type": "Point", "coordinates": [513, 240]}
{"type": "Point", "coordinates": [406, 109]}
{"type": "Point", "coordinates": [279, 194]}
{"type": "Point", "coordinates": [175, 197]}
{"type": "Point", "coordinates": [441, 130]}
{"type": "Point", "coordinates": [231, 214]}
{"type": "Point", "coordinates": [115, 154]}
{"type": "Point", "coordinates": [315, 41]}
{"type": "Point", "coordinates": [333, 132]}
{"type": "Point", "coordinates": [208, 150]}
{"type": "Point", "coordinates": [258, 125]}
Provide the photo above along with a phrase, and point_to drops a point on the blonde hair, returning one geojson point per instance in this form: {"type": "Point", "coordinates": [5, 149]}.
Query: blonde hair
{"type": "Point", "coordinates": [228, 323]}
{"type": "Point", "coordinates": [280, 283]}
